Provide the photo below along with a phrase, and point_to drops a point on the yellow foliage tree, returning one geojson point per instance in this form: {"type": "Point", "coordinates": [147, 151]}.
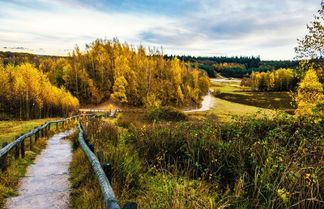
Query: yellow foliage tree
{"type": "Point", "coordinates": [26, 92]}
{"type": "Point", "coordinates": [310, 94]}
{"type": "Point", "coordinates": [119, 89]}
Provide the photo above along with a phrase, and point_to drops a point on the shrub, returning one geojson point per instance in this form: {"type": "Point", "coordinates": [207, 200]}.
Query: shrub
{"type": "Point", "coordinates": [258, 162]}
{"type": "Point", "coordinates": [165, 113]}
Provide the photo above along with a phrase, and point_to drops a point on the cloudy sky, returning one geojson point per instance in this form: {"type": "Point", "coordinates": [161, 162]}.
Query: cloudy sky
{"type": "Point", "coordinates": [183, 27]}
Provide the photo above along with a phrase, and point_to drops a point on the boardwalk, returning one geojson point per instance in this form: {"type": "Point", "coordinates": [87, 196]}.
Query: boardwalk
{"type": "Point", "coordinates": [46, 184]}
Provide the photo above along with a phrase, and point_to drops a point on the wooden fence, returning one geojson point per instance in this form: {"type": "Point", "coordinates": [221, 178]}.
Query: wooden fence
{"type": "Point", "coordinates": [102, 170]}
{"type": "Point", "coordinates": [107, 192]}
{"type": "Point", "coordinates": [18, 145]}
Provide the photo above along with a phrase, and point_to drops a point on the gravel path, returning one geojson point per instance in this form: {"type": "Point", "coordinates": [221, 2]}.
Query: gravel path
{"type": "Point", "coordinates": [206, 104]}
{"type": "Point", "coordinates": [46, 184]}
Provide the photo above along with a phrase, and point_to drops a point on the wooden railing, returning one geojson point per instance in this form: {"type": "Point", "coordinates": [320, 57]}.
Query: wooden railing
{"type": "Point", "coordinates": [102, 169]}
{"type": "Point", "coordinates": [19, 143]}
{"type": "Point", "coordinates": [107, 192]}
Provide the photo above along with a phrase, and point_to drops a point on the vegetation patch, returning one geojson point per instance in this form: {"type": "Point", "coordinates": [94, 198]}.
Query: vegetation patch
{"type": "Point", "coordinates": [165, 113]}
{"type": "Point", "coordinates": [252, 162]}
{"type": "Point", "coordinates": [10, 129]}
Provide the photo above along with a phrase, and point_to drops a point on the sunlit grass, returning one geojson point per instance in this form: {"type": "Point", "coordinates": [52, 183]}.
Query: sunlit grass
{"type": "Point", "coordinates": [243, 95]}
{"type": "Point", "coordinates": [224, 110]}
{"type": "Point", "coordinates": [10, 129]}
{"type": "Point", "coordinates": [251, 162]}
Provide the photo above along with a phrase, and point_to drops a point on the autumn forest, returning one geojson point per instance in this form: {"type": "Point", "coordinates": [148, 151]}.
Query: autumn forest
{"type": "Point", "coordinates": [163, 104]}
{"type": "Point", "coordinates": [108, 69]}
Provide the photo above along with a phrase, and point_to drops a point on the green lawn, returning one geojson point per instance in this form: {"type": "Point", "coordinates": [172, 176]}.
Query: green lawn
{"type": "Point", "coordinates": [10, 129]}
{"type": "Point", "coordinates": [272, 100]}
{"type": "Point", "coordinates": [224, 109]}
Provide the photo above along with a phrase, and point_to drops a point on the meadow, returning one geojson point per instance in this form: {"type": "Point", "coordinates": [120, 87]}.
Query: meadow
{"type": "Point", "coordinates": [251, 162]}
{"type": "Point", "coordinates": [233, 92]}
{"type": "Point", "coordinates": [11, 129]}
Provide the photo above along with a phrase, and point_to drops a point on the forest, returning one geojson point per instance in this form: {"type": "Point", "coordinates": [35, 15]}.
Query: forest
{"type": "Point", "coordinates": [27, 93]}
{"type": "Point", "coordinates": [108, 70]}
{"type": "Point", "coordinates": [238, 67]}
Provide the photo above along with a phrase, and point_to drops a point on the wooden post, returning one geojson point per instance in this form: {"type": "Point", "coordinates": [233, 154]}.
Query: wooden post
{"type": "Point", "coordinates": [22, 149]}
{"type": "Point", "coordinates": [31, 143]}
{"type": "Point", "coordinates": [36, 136]}
{"type": "Point", "coordinates": [100, 156]}
{"type": "Point", "coordinates": [17, 149]}
{"type": "Point", "coordinates": [3, 160]}
{"type": "Point", "coordinates": [130, 205]}
{"type": "Point", "coordinates": [107, 168]}
{"type": "Point", "coordinates": [91, 147]}
{"type": "Point", "coordinates": [35, 140]}
{"type": "Point", "coordinates": [45, 131]}
{"type": "Point", "coordinates": [48, 129]}
{"type": "Point", "coordinates": [57, 126]}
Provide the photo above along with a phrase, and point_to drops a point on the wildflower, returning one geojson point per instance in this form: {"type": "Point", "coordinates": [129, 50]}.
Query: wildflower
{"type": "Point", "coordinates": [310, 178]}
{"type": "Point", "coordinates": [283, 194]}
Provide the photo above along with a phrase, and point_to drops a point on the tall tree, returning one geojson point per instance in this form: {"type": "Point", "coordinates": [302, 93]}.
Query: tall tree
{"type": "Point", "coordinates": [312, 45]}
{"type": "Point", "coordinates": [310, 94]}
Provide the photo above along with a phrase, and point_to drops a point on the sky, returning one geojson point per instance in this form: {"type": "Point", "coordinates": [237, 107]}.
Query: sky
{"type": "Point", "coordinates": [268, 29]}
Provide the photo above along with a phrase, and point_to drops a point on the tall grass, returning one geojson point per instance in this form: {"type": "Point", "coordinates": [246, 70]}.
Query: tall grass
{"type": "Point", "coordinates": [252, 162]}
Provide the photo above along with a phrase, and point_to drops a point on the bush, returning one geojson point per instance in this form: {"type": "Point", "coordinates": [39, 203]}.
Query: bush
{"type": "Point", "coordinates": [260, 163]}
{"type": "Point", "coordinates": [165, 113]}
{"type": "Point", "coordinates": [253, 162]}
{"type": "Point", "coordinates": [216, 92]}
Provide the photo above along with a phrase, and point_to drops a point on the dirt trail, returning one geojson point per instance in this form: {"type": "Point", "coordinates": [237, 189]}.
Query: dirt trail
{"type": "Point", "coordinates": [225, 80]}
{"type": "Point", "coordinates": [46, 184]}
{"type": "Point", "coordinates": [206, 104]}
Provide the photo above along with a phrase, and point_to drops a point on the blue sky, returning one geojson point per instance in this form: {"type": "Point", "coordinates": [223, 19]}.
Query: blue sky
{"type": "Point", "coordinates": [184, 27]}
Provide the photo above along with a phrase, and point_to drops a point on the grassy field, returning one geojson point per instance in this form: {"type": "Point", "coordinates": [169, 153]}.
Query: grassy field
{"type": "Point", "coordinates": [250, 162]}
{"type": "Point", "coordinates": [232, 92]}
{"type": "Point", "coordinates": [10, 129]}
{"type": "Point", "coordinates": [225, 109]}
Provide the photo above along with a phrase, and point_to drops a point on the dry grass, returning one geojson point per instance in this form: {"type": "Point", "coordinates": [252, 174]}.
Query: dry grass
{"type": "Point", "coordinates": [224, 110]}
{"type": "Point", "coordinates": [243, 95]}
{"type": "Point", "coordinates": [10, 129]}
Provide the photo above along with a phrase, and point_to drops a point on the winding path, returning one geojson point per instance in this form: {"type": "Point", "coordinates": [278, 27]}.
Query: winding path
{"type": "Point", "coordinates": [46, 184]}
{"type": "Point", "coordinates": [206, 104]}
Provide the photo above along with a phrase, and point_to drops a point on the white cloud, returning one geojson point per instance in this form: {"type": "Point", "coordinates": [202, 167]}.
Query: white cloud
{"type": "Point", "coordinates": [217, 27]}
{"type": "Point", "coordinates": [65, 27]}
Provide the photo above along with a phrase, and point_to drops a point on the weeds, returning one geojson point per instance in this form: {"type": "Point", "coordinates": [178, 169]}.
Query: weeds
{"type": "Point", "coordinates": [252, 162]}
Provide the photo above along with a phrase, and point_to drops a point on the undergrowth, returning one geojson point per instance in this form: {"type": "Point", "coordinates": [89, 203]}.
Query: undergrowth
{"type": "Point", "coordinates": [252, 162]}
